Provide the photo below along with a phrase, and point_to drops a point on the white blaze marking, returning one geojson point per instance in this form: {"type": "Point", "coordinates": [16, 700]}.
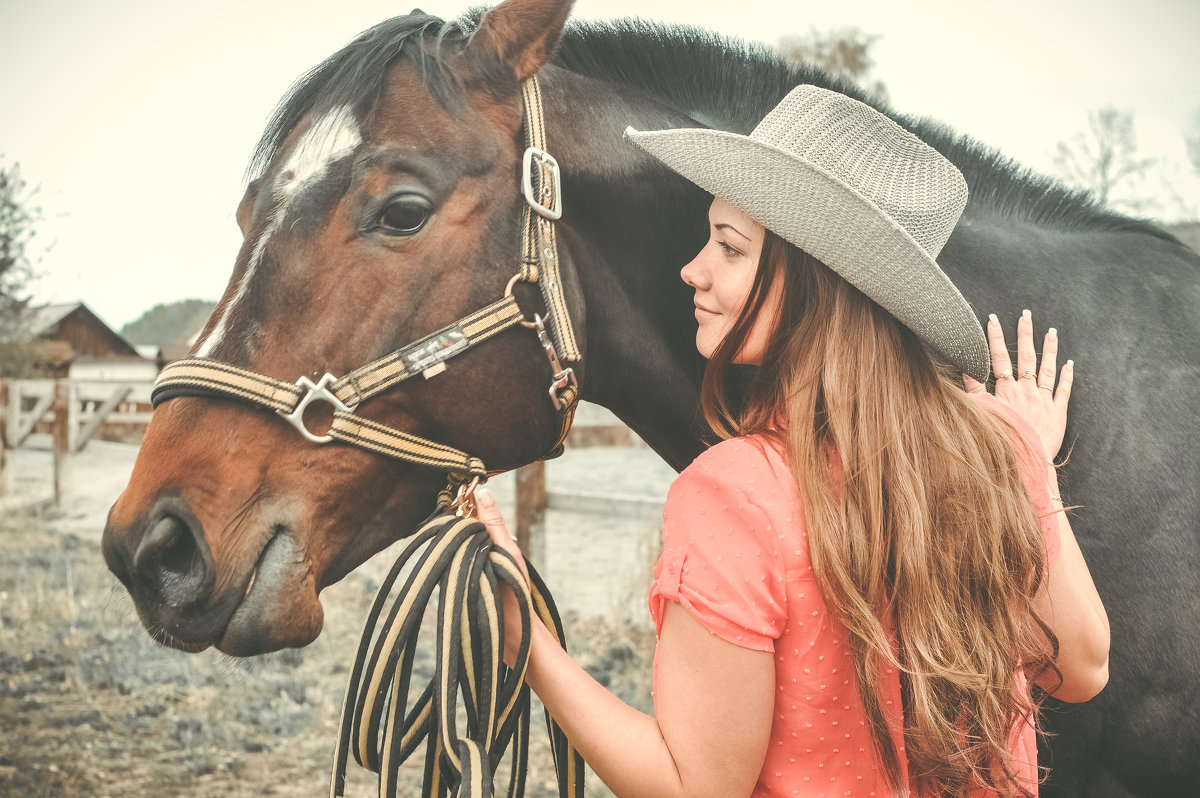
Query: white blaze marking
{"type": "Point", "coordinates": [331, 137]}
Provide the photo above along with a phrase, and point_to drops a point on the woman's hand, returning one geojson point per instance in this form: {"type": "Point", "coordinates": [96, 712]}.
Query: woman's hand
{"type": "Point", "coordinates": [1067, 600]}
{"type": "Point", "coordinates": [489, 514]}
{"type": "Point", "coordinates": [1032, 393]}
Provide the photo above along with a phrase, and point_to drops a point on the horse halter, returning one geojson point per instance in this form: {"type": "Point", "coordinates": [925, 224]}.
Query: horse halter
{"type": "Point", "coordinates": [542, 188]}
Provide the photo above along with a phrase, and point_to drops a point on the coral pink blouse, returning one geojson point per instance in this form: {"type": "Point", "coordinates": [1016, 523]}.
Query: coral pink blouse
{"type": "Point", "coordinates": [736, 557]}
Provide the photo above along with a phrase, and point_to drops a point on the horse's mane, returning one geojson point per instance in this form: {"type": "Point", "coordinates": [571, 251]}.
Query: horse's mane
{"type": "Point", "coordinates": [719, 81]}
{"type": "Point", "coordinates": [731, 84]}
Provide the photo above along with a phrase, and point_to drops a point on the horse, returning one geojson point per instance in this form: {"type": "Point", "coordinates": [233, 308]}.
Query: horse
{"type": "Point", "coordinates": [387, 203]}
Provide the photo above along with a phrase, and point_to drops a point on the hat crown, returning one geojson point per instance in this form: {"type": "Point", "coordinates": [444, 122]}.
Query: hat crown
{"type": "Point", "coordinates": [912, 183]}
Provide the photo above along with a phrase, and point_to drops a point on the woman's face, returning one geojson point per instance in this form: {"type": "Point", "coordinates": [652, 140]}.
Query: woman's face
{"type": "Point", "coordinates": [723, 274]}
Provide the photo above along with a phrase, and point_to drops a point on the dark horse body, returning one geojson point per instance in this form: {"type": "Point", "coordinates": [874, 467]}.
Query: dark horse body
{"type": "Point", "coordinates": [232, 523]}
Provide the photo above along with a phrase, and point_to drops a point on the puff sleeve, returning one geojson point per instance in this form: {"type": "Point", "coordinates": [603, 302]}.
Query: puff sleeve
{"type": "Point", "coordinates": [721, 558]}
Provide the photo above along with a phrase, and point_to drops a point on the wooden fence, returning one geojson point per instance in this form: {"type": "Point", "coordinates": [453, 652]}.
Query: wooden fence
{"type": "Point", "coordinates": [71, 413]}
{"type": "Point", "coordinates": [532, 496]}
{"type": "Point", "coordinates": [74, 412]}
{"type": "Point", "coordinates": [81, 409]}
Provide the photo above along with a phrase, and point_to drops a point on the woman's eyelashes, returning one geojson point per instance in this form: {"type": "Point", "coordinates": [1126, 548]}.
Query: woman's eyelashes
{"type": "Point", "coordinates": [730, 252]}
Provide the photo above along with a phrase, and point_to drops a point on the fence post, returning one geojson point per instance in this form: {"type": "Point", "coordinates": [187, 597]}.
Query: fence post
{"type": "Point", "coordinates": [12, 414]}
{"type": "Point", "coordinates": [532, 500]}
{"type": "Point", "coordinates": [4, 469]}
{"type": "Point", "coordinates": [62, 437]}
{"type": "Point", "coordinates": [73, 413]}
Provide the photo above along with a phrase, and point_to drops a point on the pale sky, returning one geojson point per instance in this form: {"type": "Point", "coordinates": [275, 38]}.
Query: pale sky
{"type": "Point", "coordinates": [136, 118]}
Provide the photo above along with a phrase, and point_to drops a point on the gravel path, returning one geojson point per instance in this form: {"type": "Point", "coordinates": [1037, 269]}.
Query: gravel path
{"type": "Point", "coordinates": [90, 706]}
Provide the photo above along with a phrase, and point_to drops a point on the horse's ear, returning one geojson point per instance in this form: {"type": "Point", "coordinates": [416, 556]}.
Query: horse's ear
{"type": "Point", "coordinates": [522, 33]}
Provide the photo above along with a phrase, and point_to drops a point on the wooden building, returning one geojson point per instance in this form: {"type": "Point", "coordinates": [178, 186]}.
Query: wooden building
{"type": "Point", "coordinates": [93, 350]}
{"type": "Point", "coordinates": [107, 380]}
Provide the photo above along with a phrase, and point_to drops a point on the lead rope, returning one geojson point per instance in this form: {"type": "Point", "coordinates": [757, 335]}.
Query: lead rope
{"type": "Point", "coordinates": [456, 556]}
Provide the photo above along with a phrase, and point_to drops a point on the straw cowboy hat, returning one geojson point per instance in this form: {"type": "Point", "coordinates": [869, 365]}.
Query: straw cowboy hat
{"type": "Point", "coordinates": [852, 188]}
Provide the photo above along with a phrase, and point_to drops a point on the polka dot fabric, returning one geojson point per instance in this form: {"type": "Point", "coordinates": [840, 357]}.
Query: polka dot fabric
{"type": "Point", "coordinates": [735, 555]}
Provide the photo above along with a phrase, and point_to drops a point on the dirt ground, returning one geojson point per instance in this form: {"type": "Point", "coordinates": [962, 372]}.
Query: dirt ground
{"type": "Point", "coordinates": [91, 706]}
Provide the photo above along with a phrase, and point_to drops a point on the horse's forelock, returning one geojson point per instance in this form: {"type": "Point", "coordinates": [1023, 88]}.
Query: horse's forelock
{"type": "Point", "coordinates": [355, 76]}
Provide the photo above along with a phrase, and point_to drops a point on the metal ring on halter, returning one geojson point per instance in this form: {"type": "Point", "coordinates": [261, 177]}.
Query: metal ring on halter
{"type": "Point", "coordinates": [508, 292]}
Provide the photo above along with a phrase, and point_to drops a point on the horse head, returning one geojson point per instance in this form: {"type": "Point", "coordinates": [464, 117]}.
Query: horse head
{"type": "Point", "coordinates": [387, 206]}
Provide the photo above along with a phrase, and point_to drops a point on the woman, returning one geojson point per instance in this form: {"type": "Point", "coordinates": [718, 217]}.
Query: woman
{"type": "Point", "coordinates": [859, 582]}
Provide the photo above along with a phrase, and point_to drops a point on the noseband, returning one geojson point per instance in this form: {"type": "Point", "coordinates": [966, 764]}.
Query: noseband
{"type": "Point", "coordinates": [542, 189]}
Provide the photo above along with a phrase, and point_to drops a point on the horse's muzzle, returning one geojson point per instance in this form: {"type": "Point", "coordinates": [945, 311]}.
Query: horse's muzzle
{"type": "Point", "coordinates": [186, 602]}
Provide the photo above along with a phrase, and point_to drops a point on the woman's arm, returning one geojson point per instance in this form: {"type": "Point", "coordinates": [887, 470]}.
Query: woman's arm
{"type": "Point", "coordinates": [1067, 600]}
{"type": "Point", "coordinates": [1070, 605]}
{"type": "Point", "coordinates": [713, 705]}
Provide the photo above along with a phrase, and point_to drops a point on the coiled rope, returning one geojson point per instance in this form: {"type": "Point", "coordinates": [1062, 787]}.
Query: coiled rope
{"type": "Point", "coordinates": [456, 556]}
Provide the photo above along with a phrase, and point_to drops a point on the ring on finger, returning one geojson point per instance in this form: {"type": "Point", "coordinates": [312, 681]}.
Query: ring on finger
{"type": "Point", "coordinates": [1004, 375]}
{"type": "Point", "coordinates": [1046, 388]}
{"type": "Point", "coordinates": [1027, 374]}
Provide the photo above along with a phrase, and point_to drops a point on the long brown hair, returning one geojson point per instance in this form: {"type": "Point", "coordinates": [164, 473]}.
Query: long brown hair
{"type": "Point", "coordinates": [922, 535]}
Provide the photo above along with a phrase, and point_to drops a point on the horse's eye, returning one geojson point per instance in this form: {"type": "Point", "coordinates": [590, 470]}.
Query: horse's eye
{"type": "Point", "coordinates": [404, 215]}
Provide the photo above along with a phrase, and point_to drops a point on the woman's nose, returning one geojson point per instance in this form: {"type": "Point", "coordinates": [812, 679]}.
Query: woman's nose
{"type": "Point", "coordinates": [694, 271]}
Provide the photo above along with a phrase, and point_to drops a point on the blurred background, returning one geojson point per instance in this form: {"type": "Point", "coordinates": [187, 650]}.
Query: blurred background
{"type": "Point", "coordinates": [125, 130]}
{"type": "Point", "coordinates": [131, 121]}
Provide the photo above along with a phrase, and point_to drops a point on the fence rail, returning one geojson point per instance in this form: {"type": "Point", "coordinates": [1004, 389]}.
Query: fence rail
{"type": "Point", "coordinates": [74, 412]}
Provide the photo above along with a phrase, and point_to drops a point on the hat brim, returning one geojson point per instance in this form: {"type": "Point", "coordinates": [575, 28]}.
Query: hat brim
{"type": "Point", "coordinates": [819, 213]}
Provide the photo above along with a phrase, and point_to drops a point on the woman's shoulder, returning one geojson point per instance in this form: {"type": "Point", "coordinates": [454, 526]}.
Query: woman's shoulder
{"type": "Point", "coordinates": [751, 451]}
{"type": "Point", "coordinates": [754, 465]}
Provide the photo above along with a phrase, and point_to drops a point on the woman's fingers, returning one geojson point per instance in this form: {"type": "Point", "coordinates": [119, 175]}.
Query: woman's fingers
{"type": "Point", "coordinates": [1001, 363]}
{"type": "Point", "coordinates": [1066, 379]}
{"type": "Point", "coordinates": [1049, 369]}
{"type": "Point", "coordinates": [1026, 356]}
{"type": "Point", "coordinates": [488, 512]}
{"type": "Point", "coordinates": [1045, 412]}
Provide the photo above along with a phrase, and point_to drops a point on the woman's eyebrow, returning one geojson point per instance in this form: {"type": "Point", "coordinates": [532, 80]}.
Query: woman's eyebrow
{"type": "Point", "coordinates": [727, 226]}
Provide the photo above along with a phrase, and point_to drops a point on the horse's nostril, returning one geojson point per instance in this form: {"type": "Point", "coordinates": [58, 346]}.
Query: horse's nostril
{"type": "Point", "coordinates": [170, 563]}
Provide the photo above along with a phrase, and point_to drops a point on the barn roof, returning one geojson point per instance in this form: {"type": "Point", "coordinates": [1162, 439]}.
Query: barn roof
{"type": "Point", "coordinates": [45, 318]}
{"type": "Point", "coordinates": [46, 323]}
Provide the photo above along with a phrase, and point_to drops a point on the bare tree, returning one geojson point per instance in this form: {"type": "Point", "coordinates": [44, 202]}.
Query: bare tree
{"type": "Point", "coordinates": [1191, 138]}
{"type": "Point", "coordinates": [17, 220]}
{"type": "Point", "coordinates": [843, 52]}
{"type": "Point", "coordinates": [1104, 160]}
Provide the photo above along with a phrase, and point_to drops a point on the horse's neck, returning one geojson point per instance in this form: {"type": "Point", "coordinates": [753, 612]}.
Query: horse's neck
{"type": "Point", "coordinates": [629, 232]}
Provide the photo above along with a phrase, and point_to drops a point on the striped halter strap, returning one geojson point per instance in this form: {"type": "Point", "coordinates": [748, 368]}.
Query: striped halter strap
{"type": "Point", "coordinates": [542, 188]}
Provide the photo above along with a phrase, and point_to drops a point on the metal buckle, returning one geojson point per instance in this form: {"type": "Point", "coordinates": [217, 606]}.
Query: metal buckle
{"type": "Point", "coordinates": [562, 376]}
{"type": "Point", "coordinates": [552, 194]}
{"type": "Point", "coordinates": [561, 380]}
{"type": "Point", "coordinates": [316, 391]}
{"type": "Point", "coordinates": [463, 504]}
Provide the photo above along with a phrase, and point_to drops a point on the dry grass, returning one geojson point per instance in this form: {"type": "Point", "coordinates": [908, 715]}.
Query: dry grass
{"type": "Point", "coordinates": [90, 706]}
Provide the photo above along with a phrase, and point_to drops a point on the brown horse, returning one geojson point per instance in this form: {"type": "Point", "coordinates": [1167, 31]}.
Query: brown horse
{"type": "Point", "coordinates": [388, 204]}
